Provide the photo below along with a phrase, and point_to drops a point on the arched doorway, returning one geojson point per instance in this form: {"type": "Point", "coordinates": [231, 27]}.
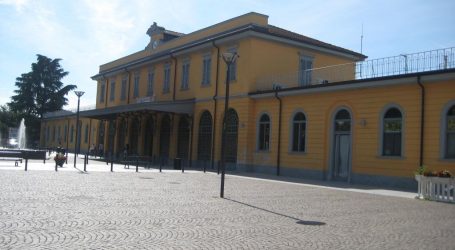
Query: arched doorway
{"type": "Point", "coordinates": [134, 140]}
{"type": "Point", "coordinates": [165, 134]}
{"type": "Point", "coordinates": [205, 137]}
{"type": "Point", "coordinates": [341, 148]}
{"type": "Point", "coordinates": [183, 138]}
{"type": "Point", "coordinates": [232, 127]}
{"type": "Point", "coordinates": [148, 139]}
{"type": "Point", "coordinates": [121, 135]}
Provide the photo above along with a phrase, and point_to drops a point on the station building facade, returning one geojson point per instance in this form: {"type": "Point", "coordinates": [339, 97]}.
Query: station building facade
{"type": "Point", "coordinates": [297, 106]}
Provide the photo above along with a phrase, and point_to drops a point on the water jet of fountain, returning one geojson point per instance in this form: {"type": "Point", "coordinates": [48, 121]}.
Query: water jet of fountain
{"type": "Point", "coordinates": [22, 138]}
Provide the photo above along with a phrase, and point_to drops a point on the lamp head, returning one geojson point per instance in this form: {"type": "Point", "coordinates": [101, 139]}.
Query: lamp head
{"type": "Point", "coordinates": [230, 57]}
{"type": "Point", "coordinates": [79, 93]}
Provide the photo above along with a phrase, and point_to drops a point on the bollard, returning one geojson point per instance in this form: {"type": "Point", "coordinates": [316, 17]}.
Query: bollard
{"type": "Point", "coordinates": [85, 163]}
{"type": "Point", "coordinates": [26, 162]}
{"type": "Point", "coordinates": [56, 169]}
{"type": "Point", "coordinates": [161, 164]}
{"type": "Point", "coordinates": [205, 162]}
{"type": "Point", "coordinates": [112, 165]}
{"type": "Point", "coordinates": [183, 166]}
{"type": "Point", "coordinates": [137, 165]}
{"type": "Point", "coordinates": [66, 160]}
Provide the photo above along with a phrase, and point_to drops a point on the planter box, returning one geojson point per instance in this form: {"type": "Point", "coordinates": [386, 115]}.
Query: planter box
{"type": "Point", "coordinates": [436, 188]}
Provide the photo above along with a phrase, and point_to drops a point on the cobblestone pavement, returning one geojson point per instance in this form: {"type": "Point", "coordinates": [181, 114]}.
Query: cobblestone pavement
{"type": "Point", "coordinates": [171, 210]}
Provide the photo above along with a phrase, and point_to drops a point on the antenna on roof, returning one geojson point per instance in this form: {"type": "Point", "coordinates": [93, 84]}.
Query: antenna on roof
{"type": "Point", "coordinates": [361, 41]}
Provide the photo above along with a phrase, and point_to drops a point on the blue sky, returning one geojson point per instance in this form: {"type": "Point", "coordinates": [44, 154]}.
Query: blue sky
{"type": "Point", "coordinates": [88, 33]}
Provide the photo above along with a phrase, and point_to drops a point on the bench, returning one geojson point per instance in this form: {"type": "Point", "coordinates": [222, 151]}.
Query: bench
{"type": "Point", "coordinates": [16, 160]}
{"type": "Point", "coordinates": [134, 160]}
{"type": "Point", "coordinates": [11, 155]}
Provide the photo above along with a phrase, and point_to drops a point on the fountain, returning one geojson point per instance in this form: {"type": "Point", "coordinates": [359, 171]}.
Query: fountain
{"type": "Point", "coordinates": [21, 137]}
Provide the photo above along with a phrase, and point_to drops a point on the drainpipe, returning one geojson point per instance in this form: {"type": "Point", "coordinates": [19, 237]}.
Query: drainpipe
{"type": "Point", "coordinates": [129, 85]}
{"type": "Point", "coordinates": [175, 76]}
{"type": "Point", "coordinates": [278, 153]}
{"type": "Point", "coordinates": [422, 118]}
{"type": "Point", "coordinates": [215, 102]}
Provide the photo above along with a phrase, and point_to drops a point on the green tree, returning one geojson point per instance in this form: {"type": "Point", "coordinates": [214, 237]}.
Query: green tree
{"type": "Point", "coordinates": [40, 91]}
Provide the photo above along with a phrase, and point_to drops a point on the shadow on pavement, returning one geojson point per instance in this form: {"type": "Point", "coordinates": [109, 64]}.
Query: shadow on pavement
{"type": "Point", "coordinates": [298, 221]}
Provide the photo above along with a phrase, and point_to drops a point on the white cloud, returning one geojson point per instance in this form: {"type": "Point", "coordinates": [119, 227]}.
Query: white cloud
{"type": "Point", "coordinates": [18, 4]}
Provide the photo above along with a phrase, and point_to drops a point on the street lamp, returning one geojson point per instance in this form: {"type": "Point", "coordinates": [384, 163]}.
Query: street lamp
{"type": "Point", "coordinates": [229, 58]}
{"type": "Point", "coordinates": [76, 149]}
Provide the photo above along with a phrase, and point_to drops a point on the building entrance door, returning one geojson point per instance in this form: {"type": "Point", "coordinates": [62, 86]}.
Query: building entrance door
{"type": "Point", "coordinates": [341, 160]}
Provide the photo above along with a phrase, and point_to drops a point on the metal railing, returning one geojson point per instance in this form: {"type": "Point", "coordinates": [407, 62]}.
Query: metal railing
{"type": "Point", "coordinates": [389, 66]}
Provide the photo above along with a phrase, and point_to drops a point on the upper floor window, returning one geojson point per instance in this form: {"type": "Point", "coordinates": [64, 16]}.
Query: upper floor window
{"type": "Point", "coordinates": [112, 94]}
{"type": "Point", "coordinates": [233, 67]}
{"type": "Point", "coordinates": [305, 70]}
{"type": "Point", "coordinates": [450, 133]}
{"type": "Point", "coordinates": [167, 78]}
{"type": "Point", "coordinates": [264, 133]}
{"type": "Point", "coordinates": [185, 74]}
{"type": "Point", "coordinates": [150, 80]}
{"type": "Point", "coordinates": [298, 132]}
{"type": "Point", "coordinates": [392, 132]}
{"type": "Point", "coordinates": [136, 85]}
{"type": "Point", "coordinates": [123, 89]}
{"type": "Point", "coordinates": [206, 67]}
{"type": "Point", "coordinates": [102, 90]}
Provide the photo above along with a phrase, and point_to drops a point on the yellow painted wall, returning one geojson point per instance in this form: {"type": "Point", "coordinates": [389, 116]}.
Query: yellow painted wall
{"type": "Point", "coordinates": [365, 104]}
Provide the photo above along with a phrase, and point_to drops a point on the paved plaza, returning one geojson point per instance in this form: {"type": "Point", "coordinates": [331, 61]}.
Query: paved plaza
{"type": "Point", "coordinates": [70, 209]}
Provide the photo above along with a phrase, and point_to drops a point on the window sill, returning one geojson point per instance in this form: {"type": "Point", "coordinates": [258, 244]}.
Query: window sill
{"type": "Point", "coordinates": [267, 151]}
{"type": "Point", "coordinates": [297, 153]}
{"type": "Point", "coordinates": [447, 160]}
{"type": "Point", "coordinates": [206, 85]}
{"type": "Point", "coordinates": [184, 89]}
{"type": "Point", "coordinates": [388, 157]}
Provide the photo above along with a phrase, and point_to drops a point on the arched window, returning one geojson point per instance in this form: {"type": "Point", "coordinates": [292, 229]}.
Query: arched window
{"type": "Point", "coordinates": [392, 132]}
{"type": "Point", "coordinates": [450, 134]}
{"type": "Point", "coordinates": [205, 137]}
{"type": "Point", "coordinates": [298, 132]}
{"type": "Point", "coordinates": [86, 134]}
{"type": "Point", "coordinates": [264, 133]}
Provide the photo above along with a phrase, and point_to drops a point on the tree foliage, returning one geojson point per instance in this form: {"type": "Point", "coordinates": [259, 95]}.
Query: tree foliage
{"type": "Point", "coordinates": [40, 91]}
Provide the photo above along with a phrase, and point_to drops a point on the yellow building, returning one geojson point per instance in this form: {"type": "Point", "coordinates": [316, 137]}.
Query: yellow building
{"type": "Point", "coordinates": [297, 106]}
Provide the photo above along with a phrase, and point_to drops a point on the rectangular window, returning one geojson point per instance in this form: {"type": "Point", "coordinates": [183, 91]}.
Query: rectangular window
{"type": "Point", "coordinates": [167, 78]}
{"type": "Point", "coordinates": [185, 75]}
{"type": "Point", "coordinates": [103, 89]}
{"type": "Point", "coordinates": [305, 70]}
{"type": "Point", "coordinates": [150, 79]}
{"type": "Point", "coordinates": [206, 67]}
{"type": "Point", "coordinates": [112, 94]}
{"type": "Point", "coordinates": [136, 85]}
{"type": "Point", "coordinates": [123, 90]}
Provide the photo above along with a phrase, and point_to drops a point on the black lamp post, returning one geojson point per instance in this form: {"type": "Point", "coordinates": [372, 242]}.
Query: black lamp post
{"type": "Point", "coordinates": [229, 58]}
{"type": "Point", "coordinates": [76, 148]}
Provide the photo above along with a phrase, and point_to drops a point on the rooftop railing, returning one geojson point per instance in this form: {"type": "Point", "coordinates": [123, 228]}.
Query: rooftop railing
{"type": "Point", "coordinates": [389, 66]}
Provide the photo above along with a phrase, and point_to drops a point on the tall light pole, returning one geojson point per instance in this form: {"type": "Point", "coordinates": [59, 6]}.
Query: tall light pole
{"type": "Point", "coordinates": [229, 58]}
{"type": "Point", "coordinates": [76, 149]}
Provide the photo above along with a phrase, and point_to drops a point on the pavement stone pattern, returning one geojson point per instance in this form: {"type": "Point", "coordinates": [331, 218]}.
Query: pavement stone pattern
{"type": "Point", "coordinates": [174, 210]}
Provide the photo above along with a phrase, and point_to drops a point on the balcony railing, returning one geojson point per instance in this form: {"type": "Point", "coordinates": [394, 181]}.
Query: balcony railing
{"type": "Point", "coordinates": [389, 66]}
